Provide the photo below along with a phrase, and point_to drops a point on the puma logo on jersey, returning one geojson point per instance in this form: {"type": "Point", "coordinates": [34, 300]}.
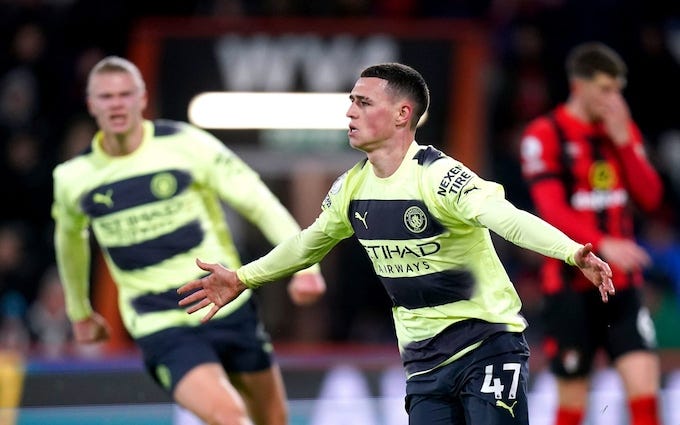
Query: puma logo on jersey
{"type": "Point", "coordinates": [105, 199]}
{"type": "Point", "coordinates": [501, 403]}
{"type": "Point", "coordinates": [361, 219]}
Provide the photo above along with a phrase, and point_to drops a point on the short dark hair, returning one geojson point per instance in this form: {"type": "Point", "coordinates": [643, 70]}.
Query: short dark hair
{"type": "Point", "coordinates": [587, 59]}
{"type": "Point", "coordinates": [403, 81]}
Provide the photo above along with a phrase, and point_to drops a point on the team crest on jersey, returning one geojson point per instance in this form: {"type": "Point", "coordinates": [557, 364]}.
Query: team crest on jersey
{"type": "Point", "coordinates": [335, 188]}
{"type": "Point", "coordinates": [163, 185]}
{"type": "Point", "coordinates": [602, 175]}
{"type": "Point", "coordinates": [415, 219]}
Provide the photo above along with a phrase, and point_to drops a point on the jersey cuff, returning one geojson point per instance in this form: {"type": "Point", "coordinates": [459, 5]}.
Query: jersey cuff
{"type": "Point", "coordinates": [241, 276]}
{"type": "Point", "coordinates": [570, 258]}
{"type": "Point", "coordinates": [309, 270]}
{"type": "Point", "coordinates": [80, 312]}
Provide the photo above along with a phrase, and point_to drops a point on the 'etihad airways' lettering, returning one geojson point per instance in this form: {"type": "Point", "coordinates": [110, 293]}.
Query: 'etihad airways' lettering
{"type": "Point", "coordinates": [385, 252]}
{"type": "Point", "coordinates": [151, 221]}
{"type": "Point", "coordinates": [400, 269]}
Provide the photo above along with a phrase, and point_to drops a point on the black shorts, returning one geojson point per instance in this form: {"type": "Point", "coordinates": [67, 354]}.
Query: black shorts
{"type": "Point", "coordinates": [487, 386]}
{"type": "Point", "coordinates": [238, 342]}
{"type": "Point", "coordinates": [577, 324]}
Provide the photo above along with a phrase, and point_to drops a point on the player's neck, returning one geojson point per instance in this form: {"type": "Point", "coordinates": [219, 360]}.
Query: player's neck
{"type": "Point", "coordinates": [124, 143]}
{"type": "Point", "coordinates": [387, 159]}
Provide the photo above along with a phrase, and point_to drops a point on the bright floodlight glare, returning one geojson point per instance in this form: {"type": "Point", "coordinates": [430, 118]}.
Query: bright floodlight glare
{"type": "Point", "coordinates": [241, 110]}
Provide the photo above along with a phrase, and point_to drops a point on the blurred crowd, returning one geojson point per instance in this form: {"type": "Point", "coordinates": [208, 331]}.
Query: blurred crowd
{"type": "Point", "coordinates": [47, 48]}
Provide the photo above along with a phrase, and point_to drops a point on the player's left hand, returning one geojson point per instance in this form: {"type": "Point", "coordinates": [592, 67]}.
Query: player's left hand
{"type": "Point", "coordinates": [596, 270]}
{"type": "Point", "coordinates": [219, 288]}
{"type": "Point", "coordinates": [306, 288]}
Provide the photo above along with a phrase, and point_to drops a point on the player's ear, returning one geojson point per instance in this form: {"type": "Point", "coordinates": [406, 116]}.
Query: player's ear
{"type": "Point", "coordinates": [144, 99]}
{"type": "Point", "coordinates": [90, 107]}
{"type": "Point", "coordinates": [404, 114]}
{"type": "Point", "coordinates": [576, 84]}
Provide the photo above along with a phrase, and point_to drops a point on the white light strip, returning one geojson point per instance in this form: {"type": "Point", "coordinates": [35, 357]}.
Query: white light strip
{"type": "Point", "coordinates": [241, 110]}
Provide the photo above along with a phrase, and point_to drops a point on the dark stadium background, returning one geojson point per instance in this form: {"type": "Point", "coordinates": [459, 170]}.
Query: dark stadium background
{"type": "Point", "coordinates": [492, 65]}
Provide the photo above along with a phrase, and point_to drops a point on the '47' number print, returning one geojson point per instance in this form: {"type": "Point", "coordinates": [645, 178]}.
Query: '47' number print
{"type": "Point", "coordinates": [494, 384]}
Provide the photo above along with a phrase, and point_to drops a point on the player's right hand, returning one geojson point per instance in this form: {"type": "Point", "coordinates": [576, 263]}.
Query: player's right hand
{"type": "Point", "coordinates": [219, 287]}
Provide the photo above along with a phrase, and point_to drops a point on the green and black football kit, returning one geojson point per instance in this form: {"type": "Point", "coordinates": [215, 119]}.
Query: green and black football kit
{"type": "Point", "coordinates": [425, 229]}
{"type": "Point", "coordinates": [153, 212]}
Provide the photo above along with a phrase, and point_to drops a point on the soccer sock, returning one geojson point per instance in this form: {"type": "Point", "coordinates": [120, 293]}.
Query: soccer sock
{"type": "Point", "coordinates": [644, 411]}
{"type": "Point", "coordinates": [567, 416]}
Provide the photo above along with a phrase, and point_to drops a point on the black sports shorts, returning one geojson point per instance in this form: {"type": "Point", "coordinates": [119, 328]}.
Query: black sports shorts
{"type": "Point", "coordinates": [238, 342]}
{"type": "Point", "coordinates": [487, 386]}
{"type": "Point", "coordinates": [577, 324]}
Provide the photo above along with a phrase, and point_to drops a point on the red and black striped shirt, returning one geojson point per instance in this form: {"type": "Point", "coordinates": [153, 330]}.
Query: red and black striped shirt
{"type": "Point", "coordinates": [585, 185]}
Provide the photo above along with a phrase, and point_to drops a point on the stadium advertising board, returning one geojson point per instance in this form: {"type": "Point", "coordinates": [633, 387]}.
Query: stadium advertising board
{"type": "Point", "coordinates": [181, 58]}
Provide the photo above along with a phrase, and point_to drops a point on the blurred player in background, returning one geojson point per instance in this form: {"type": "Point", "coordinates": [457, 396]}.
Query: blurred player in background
{"type": "Point", "coordinates": [423, 219]}
{"type": "Point", "coordinates": [586, 167]}
{"type": "Point", "coordinates": [151, 193]}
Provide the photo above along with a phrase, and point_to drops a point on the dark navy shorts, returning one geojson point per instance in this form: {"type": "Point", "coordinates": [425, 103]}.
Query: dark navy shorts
{"type": "Point", "coordinates": [577, 324]}
{"type": "Point", "coordinates": [487, 386]}
{"type": "Point", "coordinates": [238, 342]}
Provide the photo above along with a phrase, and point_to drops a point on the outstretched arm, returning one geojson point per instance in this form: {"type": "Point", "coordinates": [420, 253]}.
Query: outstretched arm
{"type": "Point", "coordinates": [222, 285]}
{"type": "Point", "coordinates": [529, 231]}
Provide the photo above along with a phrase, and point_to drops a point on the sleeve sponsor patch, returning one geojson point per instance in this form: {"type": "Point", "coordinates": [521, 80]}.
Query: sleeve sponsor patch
{"type": "Point", "coordinates": [454, 180]}
{"type": "Point", "coordinates": [335, 188]}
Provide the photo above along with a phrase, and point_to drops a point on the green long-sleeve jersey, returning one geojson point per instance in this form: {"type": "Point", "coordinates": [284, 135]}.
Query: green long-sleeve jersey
{"type": "Point", "coordinates": [425, 228]}
{"type": "Point", "coordinates": [153, 212]}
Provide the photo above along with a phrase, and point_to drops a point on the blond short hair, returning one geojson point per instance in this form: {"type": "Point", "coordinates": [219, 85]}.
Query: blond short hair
{"type": "Point", "coordinates": [112, 64]}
